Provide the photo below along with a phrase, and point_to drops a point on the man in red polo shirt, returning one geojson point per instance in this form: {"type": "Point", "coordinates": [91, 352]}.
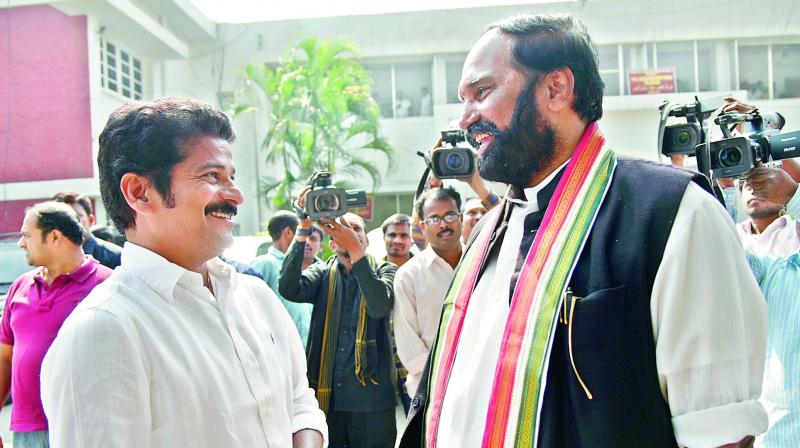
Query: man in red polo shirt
{"type": "Point", "coordinates": [37, 304]}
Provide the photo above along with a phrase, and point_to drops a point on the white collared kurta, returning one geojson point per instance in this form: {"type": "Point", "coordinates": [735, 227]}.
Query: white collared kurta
{"type": "Point", "coordinates": [153, 359]}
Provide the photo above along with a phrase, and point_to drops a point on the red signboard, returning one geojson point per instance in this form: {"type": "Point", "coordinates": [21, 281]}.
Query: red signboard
{"type": "Point", "coordinates": [659, 80]}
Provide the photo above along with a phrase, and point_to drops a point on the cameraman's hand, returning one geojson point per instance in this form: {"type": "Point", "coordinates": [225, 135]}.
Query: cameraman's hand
{"type": "Point", "coordinates": [344, 236]}
{"type": "Point", "coordinates": [771, 184]}
{"type": "Point", "coordinates": [735, 105]}
{"type": "Point", "coordinates": [300, 203]}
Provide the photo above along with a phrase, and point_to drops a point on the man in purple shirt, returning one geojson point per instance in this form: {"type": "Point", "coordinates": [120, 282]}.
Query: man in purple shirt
{"type": "Point", "coordinates": [37, 304]}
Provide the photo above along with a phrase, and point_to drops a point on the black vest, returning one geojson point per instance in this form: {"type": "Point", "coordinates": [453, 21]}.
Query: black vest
{"type": "Point", "coordinates": [612, 333]}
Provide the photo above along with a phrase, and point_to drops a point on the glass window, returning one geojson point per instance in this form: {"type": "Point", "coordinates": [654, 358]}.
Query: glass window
{"type": "Point", "coordinates": [753, 71]}
{"type": "Point", "coordinates": [608, 57]}
{"type": "Point", "coordinates": [608, 60]}
{"type": "Point", "coordinates": [454, 65]}
{"type": "Point", "coordinates": [680, 56]}
{"type": "Point", "coordinates": [412, 83]}
{"type": "Point", "coordinates": [635, 57]}
{"type": "Point", "coordinates": [786, 70]}
{"type": "Point", "coordinates": [715, 66]}
{"type": "Point", "coordinates": [382, 87]}
{"type": "Point", "coordinates": [116, 72]}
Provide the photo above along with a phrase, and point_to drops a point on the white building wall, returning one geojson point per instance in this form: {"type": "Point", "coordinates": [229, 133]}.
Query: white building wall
{"type": "Point", "coordinates": [630, 122]}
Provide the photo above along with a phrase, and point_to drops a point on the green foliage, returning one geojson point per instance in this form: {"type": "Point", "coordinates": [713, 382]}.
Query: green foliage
{"type": "Point", "coordinates": [321, 116]}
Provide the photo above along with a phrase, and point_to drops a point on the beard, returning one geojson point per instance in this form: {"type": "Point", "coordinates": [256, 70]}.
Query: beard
{"type": "Point", "coordinates": [519, 151]}
{"type": "Point", "coordinates": [766, 212]}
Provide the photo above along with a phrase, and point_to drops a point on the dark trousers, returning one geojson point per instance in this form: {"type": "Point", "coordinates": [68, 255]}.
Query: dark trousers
{"type": "Point", "coordinates": [362, 429]}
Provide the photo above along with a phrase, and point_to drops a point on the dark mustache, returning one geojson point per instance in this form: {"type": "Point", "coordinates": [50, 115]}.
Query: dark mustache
{"type": "Point", "coordinates": [223, 207]}
{"type": "Point", "coordinates": [480, 127]}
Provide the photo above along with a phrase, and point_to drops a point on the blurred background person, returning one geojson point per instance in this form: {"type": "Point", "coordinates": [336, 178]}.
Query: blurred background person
{"type": "Point", "coordinates": [421, 284]}
{"type": "Point", "coordinates": [313, 245]}
{"type": "Point", "coordinates": [472, 212]}
{"type": "Point", "coordinates": [282, 227]}
{"type": "Point", "coordinates": [108, 254]}
{"type": "Point", "coordinates": [397, 236]}
{"type": "Point", "coordinates": [37, 305]}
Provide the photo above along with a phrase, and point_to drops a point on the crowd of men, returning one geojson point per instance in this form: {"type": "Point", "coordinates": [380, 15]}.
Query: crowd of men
{"type": "Point", "coordinates": [599, 302]}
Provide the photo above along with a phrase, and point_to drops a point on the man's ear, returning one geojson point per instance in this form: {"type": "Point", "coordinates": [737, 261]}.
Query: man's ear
{"type": "Point", "coordinates": [139, 193]}
{"type": "Point", "coordinates": [92, 220]}
{"type": "Point", "coordinates": [560, 88]}
{"type": "Point", "coordinates": [332, 244]}
{"type": "Point", "coordinates": [422, 226]}
{"type": "Point", "coordinates": [289, 232]}
{"type": "Point", "coordinates": [54, 236]}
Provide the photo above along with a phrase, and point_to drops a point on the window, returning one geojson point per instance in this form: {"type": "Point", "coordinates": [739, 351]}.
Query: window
{"type": "Point", "coordinates": [402, 89]}
{"type": "Point", "coordinates": [608, 59]}
{"type": "Point", "coordinates": [678, 56]}
{"type": "Point", "coordinates": [786, 70]}
{"type": "Point", "coordinates": [754, 71]}
{"type": "Point", "coordinates": [716, 69]}
{"type": "Point", "coordinates": [636, 57]}
{"type": "Point", "coordinates": [119, 71]}
{"type": "Point", "coordinates": [382, 87]}
{"type": "Point", "coordinates": [453, 67]}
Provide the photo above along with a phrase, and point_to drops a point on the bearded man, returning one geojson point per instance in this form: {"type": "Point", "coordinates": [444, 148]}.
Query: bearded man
{"type": "Point", "coordinates": [586, 312]}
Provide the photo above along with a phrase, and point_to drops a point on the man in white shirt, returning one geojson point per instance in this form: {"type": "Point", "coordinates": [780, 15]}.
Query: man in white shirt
{"type": "Point", "coordinates": [176, 349]}
{"type": "Point", "coordinates": [421, 284]}
{"type": "Point", "coordinates": [627, 333]}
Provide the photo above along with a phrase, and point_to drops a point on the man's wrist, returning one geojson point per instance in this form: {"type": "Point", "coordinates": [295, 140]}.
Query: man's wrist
{"type": "Point", "coordinates": [490, 200]}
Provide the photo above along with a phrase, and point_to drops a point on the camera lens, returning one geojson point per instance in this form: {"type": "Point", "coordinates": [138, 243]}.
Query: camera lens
{"type": "Point", "coordinates": [730, 156]}
{"type": "Point", "coordinates": [454, 161]}
{"type": "Point", "coordinates": [326, 202]}
{"type": "Point", "coordinates": [684, 137]}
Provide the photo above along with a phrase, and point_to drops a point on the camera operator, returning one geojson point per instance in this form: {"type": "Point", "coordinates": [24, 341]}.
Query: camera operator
{"type": "Point", "coordinates": [778, 277]}
{"type": "Point", "coordinates": [350, 363]}
{"type": "Point", "coordinates": [770, 230]}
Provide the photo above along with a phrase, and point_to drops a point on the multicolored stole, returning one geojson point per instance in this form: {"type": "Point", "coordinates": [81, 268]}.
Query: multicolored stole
{"type": "Point", "coordinates": [520, 374]}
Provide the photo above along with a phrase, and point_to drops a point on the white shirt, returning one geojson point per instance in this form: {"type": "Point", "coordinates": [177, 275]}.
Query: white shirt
{"type": "Point", "coordinates": [420, 287]}
{"type": "Point", "coordinates": [153, 359]}
{"type": "Point", "coordinates": [709, 324]}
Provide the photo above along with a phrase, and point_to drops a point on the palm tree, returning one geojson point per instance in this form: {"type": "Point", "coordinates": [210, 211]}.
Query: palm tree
{"type": "Point", "coordinates": [321, 115]}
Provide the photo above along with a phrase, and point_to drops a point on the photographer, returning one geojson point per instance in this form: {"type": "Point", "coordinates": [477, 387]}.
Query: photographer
{"type": "Point", "coordinates": [770, 230]}
{"type": "Point", "coordinates": [778, 278]}
{"type": "Point", "coordinates": [349, 352]}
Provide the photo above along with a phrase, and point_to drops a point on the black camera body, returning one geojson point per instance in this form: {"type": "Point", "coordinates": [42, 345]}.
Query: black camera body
{"type": "Point", "coordinates": [682, 138]}
{"type": "Point", "coordinates": [735, 156]}
{"type": "Point", "coordinates": [452, 160]}
{"type": "Point", "coordinates": [325, 201]}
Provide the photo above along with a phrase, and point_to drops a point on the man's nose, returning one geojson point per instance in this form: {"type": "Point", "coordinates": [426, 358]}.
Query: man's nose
{"type": "Point", "coordinates": [468, 116]}
{"type": "Point", "coordinates": [233, 194]}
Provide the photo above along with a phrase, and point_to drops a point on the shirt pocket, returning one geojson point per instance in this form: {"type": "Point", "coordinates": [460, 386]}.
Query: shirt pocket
{"type": "Point", "coordinates": [598, 338]}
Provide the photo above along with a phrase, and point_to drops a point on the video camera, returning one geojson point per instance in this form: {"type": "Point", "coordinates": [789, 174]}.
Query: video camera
{"type": "Point", "coordinates": [451, 160]}
{"type": "Point", "coordinates": [325, 201]}
{"type": "Point", "coordinates": [735, 156]}
{"type": "Point", "coordinates": [682, 138]}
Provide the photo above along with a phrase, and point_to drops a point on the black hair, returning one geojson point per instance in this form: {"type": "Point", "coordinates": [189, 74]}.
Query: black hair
{"type": "Point", "coordinates": [279, 221]}
{"type": "Point", "coordinates": [317, 229]}
{"type": "Point", "coordinates": [52, 215]}
{"type": "Point", "coordinates": [72, 198]}
{"type": "Point", "coordinates": [545, 43]}
{"type": "Point", "coordinates": [395, 220]}
{"type": "Point", "coordinates": [146, 138]}
{"type": "Point", "coordinates": [436, 194]}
